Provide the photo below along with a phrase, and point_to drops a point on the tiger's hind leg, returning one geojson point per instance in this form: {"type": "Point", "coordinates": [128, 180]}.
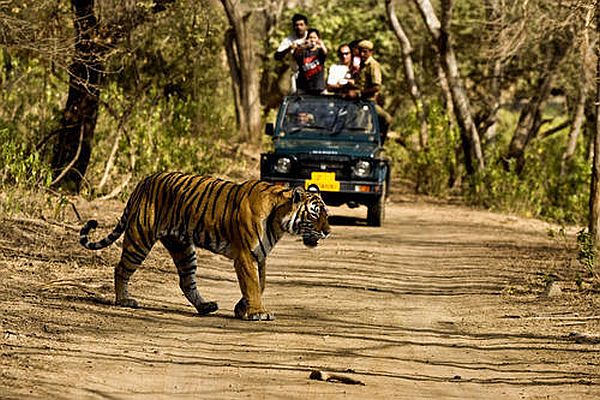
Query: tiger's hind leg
{"type": "Point", "coordinates": [123, 272]}
{"type": "Point", "coordinates": [184, 256]}
{"type": "Point", "coordinates": [134, 253]}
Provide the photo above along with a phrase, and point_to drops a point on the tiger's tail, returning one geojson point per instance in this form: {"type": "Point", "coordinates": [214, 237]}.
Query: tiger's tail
{"type": "Point", "coordinates": [108, 240]}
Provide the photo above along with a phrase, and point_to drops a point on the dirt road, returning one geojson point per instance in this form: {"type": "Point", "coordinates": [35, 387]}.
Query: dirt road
{"type": "Point", "coordinates": [442, 302]}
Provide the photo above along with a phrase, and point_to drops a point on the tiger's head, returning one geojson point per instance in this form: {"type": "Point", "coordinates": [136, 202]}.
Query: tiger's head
{"type": "Point", "coordinates": [309, 216]}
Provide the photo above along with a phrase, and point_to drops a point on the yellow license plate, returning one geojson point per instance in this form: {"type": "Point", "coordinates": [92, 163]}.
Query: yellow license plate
{"type": "Point", "coordinates": [324, 180]}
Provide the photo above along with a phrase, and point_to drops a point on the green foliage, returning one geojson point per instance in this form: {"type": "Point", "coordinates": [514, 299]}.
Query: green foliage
{"type": "Point", "coordinates": [162, 99]}
{"type": "Point", "coordinates": [166, 107]}
{"type": "Point", "coordinates": [29, 109]}
{"type": "Point", "coordinates": [499, 189]}
{"type": "Point", "coordinates": [432, 171]}
{"type": "Point", "coordinates": [587, 254]}
{"type": "Point", "coordinates": [159, 136]}
{"type": "Point", "coordinates": [539, 190]}
{"type": "Point", "coordinates": [21, 165]}
{"type": "Point", "coordinates": [30, 96]}
{"type": "Point", "coordinates": [23, 175]}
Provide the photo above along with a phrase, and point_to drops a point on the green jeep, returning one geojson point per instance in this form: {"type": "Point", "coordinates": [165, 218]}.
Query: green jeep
{"type": "Point", "coordinates": [334, 144]}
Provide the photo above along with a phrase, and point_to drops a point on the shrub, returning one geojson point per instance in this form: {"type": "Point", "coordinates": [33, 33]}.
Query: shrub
{"type": "Point", "coordinates": [20, 164]}
{"type": "Point", "coordinates": [432, 172]}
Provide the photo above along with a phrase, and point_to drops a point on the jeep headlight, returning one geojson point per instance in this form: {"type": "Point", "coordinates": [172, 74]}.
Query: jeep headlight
{"type": "Point", "coordinates": [283, 165]}
{"type": "Point", "coordinates": [362, 169]}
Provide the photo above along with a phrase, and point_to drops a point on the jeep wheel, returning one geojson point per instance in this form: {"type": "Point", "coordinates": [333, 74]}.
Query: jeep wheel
{"type": "Point", "coordinates": [376, 212]}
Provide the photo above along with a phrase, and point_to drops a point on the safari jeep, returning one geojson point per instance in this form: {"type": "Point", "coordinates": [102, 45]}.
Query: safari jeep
{"type": "Point", "coordinates": [334, 144]}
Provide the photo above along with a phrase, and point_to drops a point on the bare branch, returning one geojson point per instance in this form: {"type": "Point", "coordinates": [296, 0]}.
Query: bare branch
{"type": "Point", "coordinates": [73, 161]}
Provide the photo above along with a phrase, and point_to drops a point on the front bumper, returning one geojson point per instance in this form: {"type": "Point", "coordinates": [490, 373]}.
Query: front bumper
{"type": "Point", "coordinates": [359, 192]}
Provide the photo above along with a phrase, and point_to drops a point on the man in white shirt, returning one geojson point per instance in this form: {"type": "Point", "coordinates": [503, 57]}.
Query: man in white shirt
{"type": "Point", "coordinates": [340, 78]}
{"type": "Point", "coordinates": [290, 43]}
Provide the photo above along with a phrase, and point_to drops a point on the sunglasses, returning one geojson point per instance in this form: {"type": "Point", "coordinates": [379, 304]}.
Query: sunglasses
{"type": "Point", "coordinates": [345, 53]}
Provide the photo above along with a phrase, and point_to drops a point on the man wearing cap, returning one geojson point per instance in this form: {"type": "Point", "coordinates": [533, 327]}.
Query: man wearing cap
{"type": "Point", "coordinates": [369, 77]}
{"type": "Point", "coordinates": [369, 82]}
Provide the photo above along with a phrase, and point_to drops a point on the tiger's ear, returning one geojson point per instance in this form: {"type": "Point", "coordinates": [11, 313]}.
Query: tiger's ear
{"type": "Point", "coordinates": [312, 188]}
{"type": "Point", "coordinates": [297, 194]}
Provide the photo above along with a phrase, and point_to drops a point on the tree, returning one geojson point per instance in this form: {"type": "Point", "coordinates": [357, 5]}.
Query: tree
{"type": "Point", "coordinates": [530, 119]}
{"type": "Point", "coordinates": [491, 93]}
{"type": "Point", "coordinates": [273, 78]}
{"type": "Point", "coordinates": [441, 37]}
{"type": "Point", "coordinates": [241, 54]}
{"type": "Point", "coordinates": [72, 151]}
{"type": "Point", "coordinates": [586, 47]}
{"type": "Point", "coordinates": [415, 92]}
{"type": "Point", "coordinates": [594, 215]}
{"type": "Point", "coordinates": [247, 43]}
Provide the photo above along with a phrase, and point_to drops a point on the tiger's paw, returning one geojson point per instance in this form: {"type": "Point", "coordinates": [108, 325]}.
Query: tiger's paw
{"type": "Point", "coordinates": [260, 316]}
{"type": "Point", "coordinates": [242, 311]}
{"type": "Point", "coordinates": [240, 308]}
{"type": "Point", "coordinates": [207, 307]}
{"type": "Point", "coordinates": [128, 302]}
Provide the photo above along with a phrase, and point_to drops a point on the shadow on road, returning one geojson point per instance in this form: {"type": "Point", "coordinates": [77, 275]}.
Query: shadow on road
{"type": "Point", "coordinates": [344, 220]}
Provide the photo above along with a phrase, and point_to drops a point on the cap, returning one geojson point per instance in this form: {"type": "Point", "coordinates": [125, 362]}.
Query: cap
{"type": "Point", "coordinates": [365, 44]}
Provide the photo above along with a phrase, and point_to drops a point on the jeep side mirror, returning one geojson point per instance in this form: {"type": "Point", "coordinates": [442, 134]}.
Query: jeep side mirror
{"type": "Point", "coordinates": [269, 129]}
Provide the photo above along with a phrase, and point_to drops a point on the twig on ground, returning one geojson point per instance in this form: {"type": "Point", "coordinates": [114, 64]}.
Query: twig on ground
{"type": "Point", "coordinates": [334, 378]}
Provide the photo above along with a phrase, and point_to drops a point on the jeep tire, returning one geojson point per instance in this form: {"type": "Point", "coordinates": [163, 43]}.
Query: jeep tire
{"type": "Point", "coordinates": [376, 211]}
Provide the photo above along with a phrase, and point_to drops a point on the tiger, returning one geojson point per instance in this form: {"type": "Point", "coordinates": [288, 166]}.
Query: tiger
{"type": "Point", "coordinates": [242, 222]}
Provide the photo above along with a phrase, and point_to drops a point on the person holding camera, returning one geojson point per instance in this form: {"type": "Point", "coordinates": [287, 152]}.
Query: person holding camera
{"type": "Point", "coordinates": [311, 56]}
{"type": "Point", "coordinates": [291, 42]}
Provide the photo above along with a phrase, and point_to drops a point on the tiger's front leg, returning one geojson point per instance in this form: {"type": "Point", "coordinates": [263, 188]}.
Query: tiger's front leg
{"type": "Point", "coordinates": [251, 280]}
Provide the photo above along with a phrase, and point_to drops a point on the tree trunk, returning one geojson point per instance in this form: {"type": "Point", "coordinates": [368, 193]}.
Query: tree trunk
{"type": "Point", "coordinates": [594, 218]}
{"type": "Point", "coordinates": [488, 123]}
{"type": "Point", "coordinates": [81, 111]}
{"type": "Point", "coordinates": [244, 71]}
{"type": "Point", "coordinates": [529, 119]}
{"type": "Point", "coordinates": [586, 49]}
{"type": "Point", "coordinates": [409, 71]}
{"type": "Point", "coordinates": [462, 107]}
{"type": "Point", "coordinates": [457, 149]}
{"type": "Point", "coordinates": [531, 115]}
{"type": "Point", "coordinates": [576, 125]}
{"type": "Point", "coordinates": [71, 153]}
{"type": "Point", "coordinates": [272, 80]}
{"type": "Point", "coordinates": [236, 78]}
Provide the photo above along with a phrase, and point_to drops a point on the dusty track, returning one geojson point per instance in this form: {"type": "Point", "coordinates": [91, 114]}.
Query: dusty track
{"type": "Point", "coordinates": [443, 302]}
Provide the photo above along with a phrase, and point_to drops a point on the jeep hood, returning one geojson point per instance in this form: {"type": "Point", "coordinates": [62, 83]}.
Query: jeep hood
{"type": "Point", "coordinates": [330, 147]}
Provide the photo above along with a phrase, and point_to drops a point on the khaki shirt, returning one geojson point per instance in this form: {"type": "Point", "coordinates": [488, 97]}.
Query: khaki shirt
{"type": "Point", "coordinates": [369, 75]}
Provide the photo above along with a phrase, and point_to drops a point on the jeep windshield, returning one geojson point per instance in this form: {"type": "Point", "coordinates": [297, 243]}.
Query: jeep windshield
{"type": "Point", "coordinates": [308, 116]}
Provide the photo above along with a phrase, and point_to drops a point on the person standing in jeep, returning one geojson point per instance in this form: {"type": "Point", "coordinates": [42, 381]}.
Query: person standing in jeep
{"type": "Point", "coordinates": [290, 43]}
{"type": "Point", "coordinates": [369, 84]}
{"type": "Point", "coordinates": [311, 64]}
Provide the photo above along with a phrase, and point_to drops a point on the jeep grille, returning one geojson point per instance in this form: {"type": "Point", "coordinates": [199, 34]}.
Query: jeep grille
{"type": "Point", "coordinates": [310, 163]}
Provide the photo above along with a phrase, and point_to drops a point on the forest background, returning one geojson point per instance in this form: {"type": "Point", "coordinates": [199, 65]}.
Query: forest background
{"type": "Point", "coordinates": [493, 100]}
